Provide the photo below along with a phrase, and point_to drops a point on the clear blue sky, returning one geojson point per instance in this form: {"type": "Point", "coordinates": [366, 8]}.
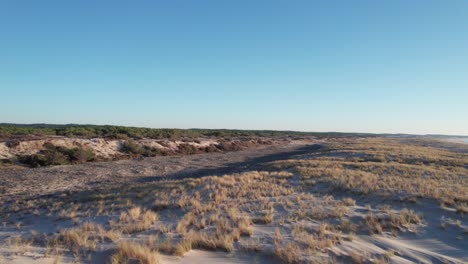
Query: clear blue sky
{"type": "Point", "coordinates": [366, 66]}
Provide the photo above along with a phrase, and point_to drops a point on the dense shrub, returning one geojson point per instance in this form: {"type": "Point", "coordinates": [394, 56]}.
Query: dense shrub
{"type": "Point", "coordinates": [211, 148]}
{"type": "Point", "coordinates": [56, 158]}
{"type": "Point", "coordinates": [228, 146]}
{"type": "Point", "coordinates": [150, 152]}
{"type": "Point", "coordinates": [131, 147]}
{"type": "Point", "coordinates": [53, 155]}
{"type": "Point", "coordinates": [12, 143]}
{"type": "Point", "coordinates": [46, 158]}
{"type": "Point", "coordinates": [186, 148]}
{"type": "Point", "coordinates": [120, 132]}
{"type": "Point", "coordinates": [120, 136]}
{"type": "Point", "coordinates": [81, 155]}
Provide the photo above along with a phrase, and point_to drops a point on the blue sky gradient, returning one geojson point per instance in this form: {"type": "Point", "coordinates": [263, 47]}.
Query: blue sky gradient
{"type": "Point", "coordinates": [363, 66]}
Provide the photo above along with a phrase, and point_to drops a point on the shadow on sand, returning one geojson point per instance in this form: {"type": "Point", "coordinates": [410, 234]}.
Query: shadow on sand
{"type": "Point", "coordinates": [237, 167]}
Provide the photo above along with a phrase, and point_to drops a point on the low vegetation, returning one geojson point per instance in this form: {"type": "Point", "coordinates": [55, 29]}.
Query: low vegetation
{"type": "Point", "coordinates": [388, 167]}
{"type": "Point", "coordinates": [55, 155]}
{"type": "Point", "coordinates": [286, 210]}
{"type": "Point", "coordinates": [127, 252]}
{"type": "Point", "coordinates": [132, 147]}
{"type": "Point", "coordinates": [121, 132]}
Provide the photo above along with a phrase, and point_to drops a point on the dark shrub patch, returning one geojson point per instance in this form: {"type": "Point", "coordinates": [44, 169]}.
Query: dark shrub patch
{"type": "Point", "coordinates": [211, 148]}
{"type": "Point", "coordinates": [34, 161]}
{"type": "Point", "coordinates": [186, 148]}
{"type": "Point", "coordinates": [120, 136]}
{"type": "Point", "coordinates": [228, 146]}
{"type": "Point", "coordinates": [81, 155]}
{"type": "Point", "coordinates": [56, 158]}
{"type": "Point", "coordinates": [47, 158]}
{"type": "Point", "coordinates": [150, 151]}
{"type": "Point", "coordinates": [12, 143]}
{"type": "Point", "coordinates": [53, 155]}
{"type": "Point", "coordinates": [131, 147]}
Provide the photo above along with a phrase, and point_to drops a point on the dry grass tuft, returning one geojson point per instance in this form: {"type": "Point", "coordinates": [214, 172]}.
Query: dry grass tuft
{"type": "Point", "coordinates": [461, 209]}
{"type": "Point", "coordinates": [373, 224]}
{"type": "Point", "coordinates": [265, 217]}
{"type": "Point", "coordinates": [135, 221]}
{"type": "Point", "coordinates": [85, 237]}
{"type": "Point", "coordinates": [127, 251]}
{"type": "Point", "coordinates": [244, 226]}
{"type": "Point", "coordinates": [356, 257]}
{"type": "Point", "coordinates": [290, 253]}
{"type": "Point", "coordinates": [197, 240]}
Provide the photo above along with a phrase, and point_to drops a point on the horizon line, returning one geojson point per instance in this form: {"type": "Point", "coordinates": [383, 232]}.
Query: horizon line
{"type": "Point", "coordinates": [238, 129]}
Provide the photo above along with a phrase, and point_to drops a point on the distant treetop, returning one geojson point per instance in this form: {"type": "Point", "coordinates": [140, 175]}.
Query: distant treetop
{"type": "Point", "coordinates": [122, 132]}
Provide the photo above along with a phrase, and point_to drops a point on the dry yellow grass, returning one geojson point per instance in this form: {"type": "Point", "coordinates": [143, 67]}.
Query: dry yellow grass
{"type": "Point", "coordinates": [85, 237]}
{"type": "Point", "coordinates": [220, 212]}
{"type": "Point", "coordinates": [127, 251]}
{"type": "Point", "coordinates": [134, 220]}
{"type": "Point", "coordinates": [418, 171]}
{"type": "Point", "coordinates": [289, 253]}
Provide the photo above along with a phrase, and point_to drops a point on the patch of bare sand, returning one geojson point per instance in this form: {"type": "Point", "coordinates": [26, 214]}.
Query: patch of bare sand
{"type": "Point", "coordinates": [5, 151]}
{"type": "Point", "coordinates": [215, 257]}
{"type": "Point", "coordinates": [429, 243]}
{"type": "Point", "coordinates": [32, 259]}
{"type": "Point", "coordinates": [102, 147]}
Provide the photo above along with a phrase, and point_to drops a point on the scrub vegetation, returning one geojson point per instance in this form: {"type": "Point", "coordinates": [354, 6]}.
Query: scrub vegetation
{"type": "Point", "coordinates": [56, 155]}
{"type": "Point", "coordinates": [328, 205]}
{"type": "Point", "coordinates": [121, 132]}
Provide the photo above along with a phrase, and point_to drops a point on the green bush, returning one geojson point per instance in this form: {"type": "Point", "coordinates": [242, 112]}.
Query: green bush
{"type": "Point", "coordinates": [52, 155]}
{"type": "Point", "coordinates": [121, 132]}
{"type": "Point", "coordinates": [228, 146]}
{"type": "Point", "coordinates": [81, 155]}
{"type": "Point", "coordinates": [132, 147]}
{"type": "Point", "coordinates": [46, 158]}
{"type": "Point", "coordinates": [56, 158]}
{"type": "Point", "coordinates": [151, 152]}
{"type": "Point", "coordinates": [186, 148]}
{"type": "Point", "coordinates": [36, 160]}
